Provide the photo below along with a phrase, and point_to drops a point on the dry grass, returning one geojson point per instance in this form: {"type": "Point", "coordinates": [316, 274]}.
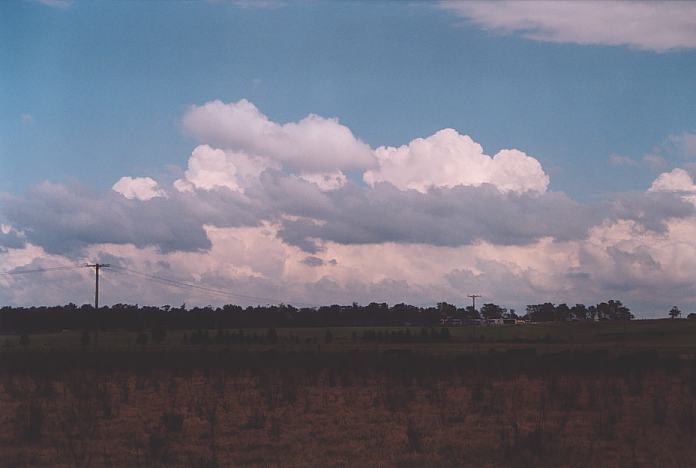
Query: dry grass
{"type": "Point", "coordinates": [341, 417]}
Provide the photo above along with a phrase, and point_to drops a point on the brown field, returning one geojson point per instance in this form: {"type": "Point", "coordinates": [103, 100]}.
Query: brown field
{"type": "Point", "coordinates": [337, 409]}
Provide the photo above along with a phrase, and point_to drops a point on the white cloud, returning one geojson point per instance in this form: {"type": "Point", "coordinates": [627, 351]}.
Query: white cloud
{"type": "Point", "coordinates": [656, 26]}
{"type": "Point", "coordinates": [139, 188]}
{"type": "Point", "coordinates": [471, 223]}
{"type": "Point", "coordinates": [447, 159]}
{"type": "Point", "coordinates": [651, 160]}
{"type": "Point", "coordinates": [210, 167]}
{"type": "Point", "coordinates": [327, 180]}
{"type": "Point", "coordinates": [314, 144]}
{"type": "Point", "coordinates": [678, 180]}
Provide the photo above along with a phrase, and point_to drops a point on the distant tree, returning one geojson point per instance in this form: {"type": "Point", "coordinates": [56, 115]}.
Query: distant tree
{"type": "Point", "coordinates": [592, 313]}
{"type": "Point", "coordinates": [491, 311]}
{"type": "Point", "coordinates": [691, 316]}
{"type": "Point", "coordinates": [562, 313]}
{"type": "Point", "coordinates": [446, 309]}
{"type": "Point", "coordinates": [541, 312]}
{"type": "Point", "coordinates": [579, 312]}
{"type": "Point", "coordinates": [613, 310]}
{"type": "Point", "coordinates": [675, 312]}
{"type": "Point", "coordinates": [471, 313]}
{"type": "Point", "coordinates": [24, 340]}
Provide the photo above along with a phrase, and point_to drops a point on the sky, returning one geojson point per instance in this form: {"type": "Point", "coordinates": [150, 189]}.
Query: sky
{"type": "Point", "coordinates": [330, 152]}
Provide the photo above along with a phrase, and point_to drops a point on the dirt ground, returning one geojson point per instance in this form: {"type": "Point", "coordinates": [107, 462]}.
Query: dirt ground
{"type": "Point", "coordinates": [327, 417]}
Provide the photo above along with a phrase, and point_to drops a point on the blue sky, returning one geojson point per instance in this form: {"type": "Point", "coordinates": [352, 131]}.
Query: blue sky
{"type": "Point", "coordinates": [199, 141]}
{"type": "Point", "coordinates": [105, 86]}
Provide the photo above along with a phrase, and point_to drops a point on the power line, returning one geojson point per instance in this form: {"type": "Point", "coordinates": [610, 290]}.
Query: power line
{"type": "Point", "coordinates": [158, 279]}
{"type": "Point", "coordinates": [219, 292]}
{"type": "Point", "coordinates": [41, 270]}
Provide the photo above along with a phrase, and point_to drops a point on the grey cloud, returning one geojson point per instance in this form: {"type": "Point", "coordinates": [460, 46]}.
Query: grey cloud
{"type": "Point", "coordinates": [62, 219]}
{"type": "Point", "coordinates": [447, 217]}
{"type": "Point", "coordinates": [651, 209]}
{"type": "Point", "coordinates": [313, 261]}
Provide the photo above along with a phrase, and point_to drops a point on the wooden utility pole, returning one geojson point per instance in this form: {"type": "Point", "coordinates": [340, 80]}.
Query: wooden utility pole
{"type": "Point", "coordinates": [473, 299]}
{"type": "Point", "coordinates": [96, 267]}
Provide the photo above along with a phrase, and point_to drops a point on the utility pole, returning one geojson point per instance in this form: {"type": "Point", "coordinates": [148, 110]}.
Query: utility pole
{"type": "Point", "coordinates": [473, 299]}
{"type": "Point", "coordinates": [473, 327]}
{"type": "Point", "coordinates": [96, 267]}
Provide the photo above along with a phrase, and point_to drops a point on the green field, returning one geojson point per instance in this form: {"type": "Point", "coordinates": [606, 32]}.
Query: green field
{"type": "Point", "coordinates": [669, 337]}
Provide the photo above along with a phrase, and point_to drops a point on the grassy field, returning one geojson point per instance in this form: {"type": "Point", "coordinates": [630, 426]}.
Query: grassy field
{"type": "Point", "coordinates": [674, 337]}
{"type": "Point", "coordinates": [605, 394]}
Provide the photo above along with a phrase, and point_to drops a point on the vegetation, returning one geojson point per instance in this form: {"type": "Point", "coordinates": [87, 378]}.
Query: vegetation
{"type": "Point", "coordinates": [157, 320]}
{"type": "Point", "coordinates": [201, 407]}
{"type": "Point", "coordinates": [563, 392]}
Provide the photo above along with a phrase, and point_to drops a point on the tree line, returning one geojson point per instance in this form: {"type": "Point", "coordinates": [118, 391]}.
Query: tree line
{"type": "Point", "coordinates": [138, 318]}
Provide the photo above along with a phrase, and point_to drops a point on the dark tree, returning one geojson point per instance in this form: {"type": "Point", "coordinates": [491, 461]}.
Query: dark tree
{"type": "Point", "coordinates": [541, 312]}
{"type": "Point", "coordinates": [446, 309]}
{"type": "Point", "coordinates": [674, 312]}
{"type": "Point", "coordinates": [471, 313]}
{"type": "Point", "coordinates": [562, 313]}
{"type": "Point", "coordinates": [491, 311]}
{"type": "Point", "coordinates": [579, 312]}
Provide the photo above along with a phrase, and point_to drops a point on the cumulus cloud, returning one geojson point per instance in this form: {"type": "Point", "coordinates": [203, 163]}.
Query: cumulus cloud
{"type": "Point", "coordinates": [313, 144]}
{"type": "Point", "coordinates": [432, 220]}
{"type": "Point", "coordinates": [209, 168]}
{"type": "Point", "coordinates": [678, 180]}
{"type": "Point", "coordinates": [447, 216]}
{"type": "Point", "coordinates": [62, 219]}
{"type": "Point", "coordinates": [140, 188]}
{"type": "Point", "coordinates": [327, 180]}
{"type": "Point", "coordinates": [655, 26]}
{"type": "Point", "coordinates": [447, 159]}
